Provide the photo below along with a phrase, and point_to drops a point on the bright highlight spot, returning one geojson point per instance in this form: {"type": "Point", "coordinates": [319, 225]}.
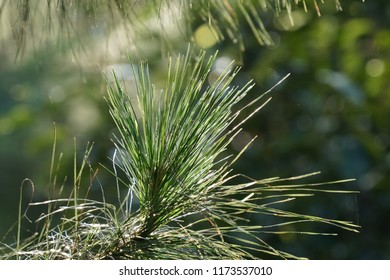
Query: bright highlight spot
{"type": "Point", "coordinates": [291, 21]}
{"type": "Point", "coordinates": [205, 37]}
{"type": "Point", "coordinates": [375, 67]}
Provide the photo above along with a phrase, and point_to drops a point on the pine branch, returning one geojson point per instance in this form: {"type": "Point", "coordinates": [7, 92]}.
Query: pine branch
{"type": "Point", "coordinates": [75, 24]}
{"type": "Point", "coordinates": [170, 147]}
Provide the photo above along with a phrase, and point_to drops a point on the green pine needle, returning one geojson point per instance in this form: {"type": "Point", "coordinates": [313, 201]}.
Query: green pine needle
{"type": "Point", "coordinates": [33, 24]}
{"type": "Point", "coordinates": [170, 147]}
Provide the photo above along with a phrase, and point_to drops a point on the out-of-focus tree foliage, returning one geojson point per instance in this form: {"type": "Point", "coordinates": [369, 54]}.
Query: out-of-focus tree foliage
{"type": "Point", "coordinates": [331, 115]}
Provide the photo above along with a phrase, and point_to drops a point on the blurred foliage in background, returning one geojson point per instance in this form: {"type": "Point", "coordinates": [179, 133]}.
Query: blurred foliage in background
{"type": "Point", "coordinates": [331, 115]}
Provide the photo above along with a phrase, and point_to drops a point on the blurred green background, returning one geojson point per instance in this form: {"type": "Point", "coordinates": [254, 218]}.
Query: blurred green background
{"type": "Point", "coordinates": [331, 115]}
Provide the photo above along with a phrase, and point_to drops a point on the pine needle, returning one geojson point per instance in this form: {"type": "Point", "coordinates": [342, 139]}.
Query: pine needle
{"type": "Point", "coordinates": [169, 147]}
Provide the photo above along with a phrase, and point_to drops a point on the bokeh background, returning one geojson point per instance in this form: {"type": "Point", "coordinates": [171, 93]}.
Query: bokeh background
{"type": "Point", "coordinates": [331, 115]}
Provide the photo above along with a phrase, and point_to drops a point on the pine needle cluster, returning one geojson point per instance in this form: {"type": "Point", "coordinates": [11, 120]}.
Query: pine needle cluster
{"type": "Point", "coordinates": [180, 201]}
{"type": "Point", "coordinates": [68, 22]}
